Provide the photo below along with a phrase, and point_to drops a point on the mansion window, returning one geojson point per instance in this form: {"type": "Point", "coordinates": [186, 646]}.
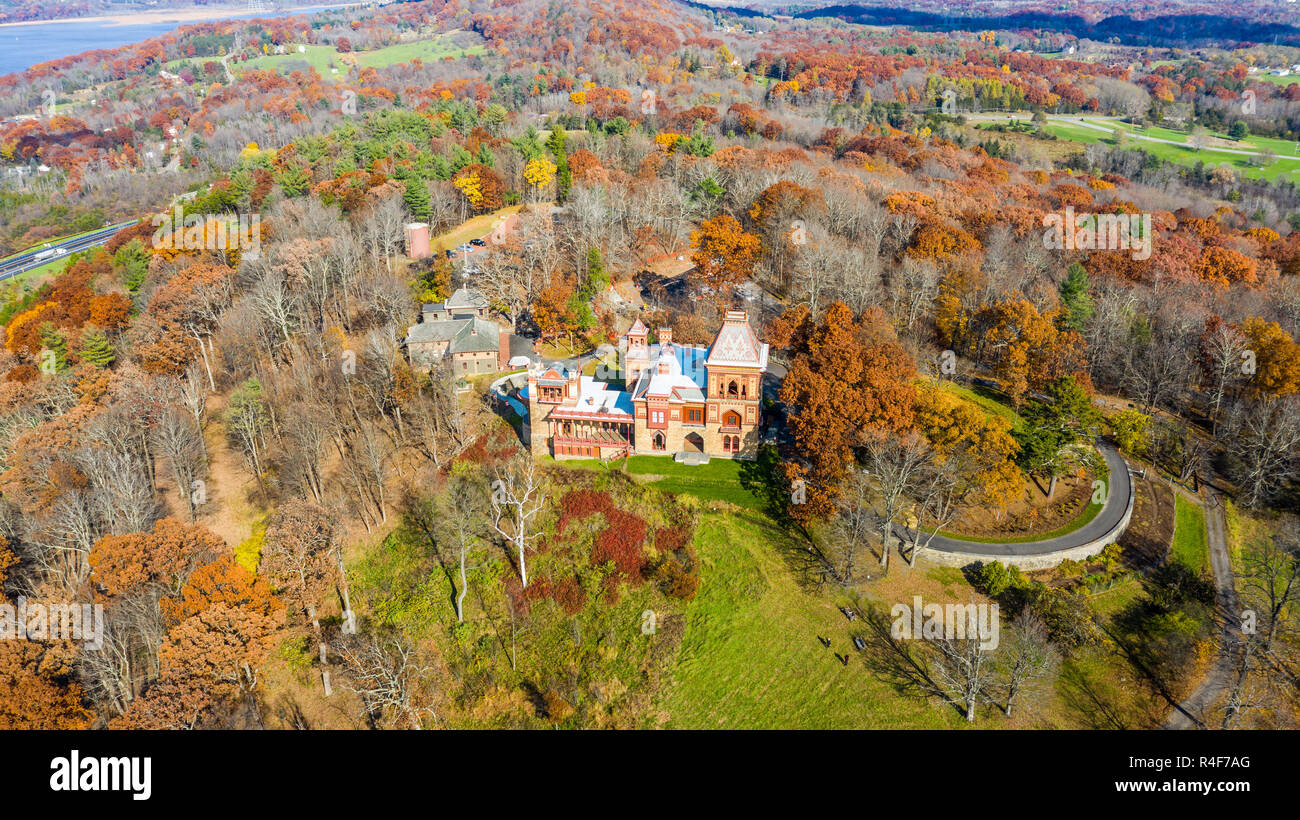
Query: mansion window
{"type": "Point", "coordinates": [730, 420]}
{"type": "Point", "coordinates": [732, 390]}
{"type": "Point", "coordinates": [656, 417]}
{"type": "Point", "coordinates": [657, 441]}
{"type": "Point", "coordinates": [550, 395]}
{"type": "Point", "coordinates": [731, 444]}
{"type": "Point", "coordinates": [694, 415]}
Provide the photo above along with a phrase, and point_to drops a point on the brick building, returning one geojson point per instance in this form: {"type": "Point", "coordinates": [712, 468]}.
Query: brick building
{"type": "Point", "coordinates": [662, 398]}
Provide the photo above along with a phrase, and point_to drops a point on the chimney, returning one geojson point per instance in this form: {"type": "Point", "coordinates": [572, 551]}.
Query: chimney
{"type": "Point", "coordinates": [665, 335]}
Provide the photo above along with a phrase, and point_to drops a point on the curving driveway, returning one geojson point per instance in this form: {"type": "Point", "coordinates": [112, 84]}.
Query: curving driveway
{"type": "Point", "coordinates": [1115, 512]}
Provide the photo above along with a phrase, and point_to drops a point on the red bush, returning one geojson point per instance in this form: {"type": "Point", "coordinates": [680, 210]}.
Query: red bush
{"type": "Point", "coordinates": [570, 595]}
{"type": "Point", "coordinates": [579, 504]}
{"type": "Point", "coordinates": [621, 542]}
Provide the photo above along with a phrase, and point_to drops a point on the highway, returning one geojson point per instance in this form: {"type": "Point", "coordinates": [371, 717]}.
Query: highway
{"type": "Point", "coordinates": [25, 261]}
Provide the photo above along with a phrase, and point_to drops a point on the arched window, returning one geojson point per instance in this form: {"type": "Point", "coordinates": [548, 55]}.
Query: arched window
{"type": "Point", "coordinates": [731, 419]}
{"type": "Point", "coordinates": [657, 441]}
{"type": "Point", "coordinates": [732, 389]}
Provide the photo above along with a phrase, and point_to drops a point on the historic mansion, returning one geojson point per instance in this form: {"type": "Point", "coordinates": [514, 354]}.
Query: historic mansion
{"type": "Point", "coordinates": [670, 398]}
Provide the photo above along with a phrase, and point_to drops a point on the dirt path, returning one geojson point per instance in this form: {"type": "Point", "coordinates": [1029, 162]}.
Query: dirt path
{"type": "Point", "coordinates": [1191, 713]}
{"type": "Point", "coordinates": [227, 511]}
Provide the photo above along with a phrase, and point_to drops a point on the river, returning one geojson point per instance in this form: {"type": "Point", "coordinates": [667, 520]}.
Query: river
{"type": "Point", "coordinates": [22, 47]}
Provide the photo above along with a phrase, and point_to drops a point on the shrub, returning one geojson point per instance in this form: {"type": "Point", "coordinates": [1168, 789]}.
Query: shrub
{"type": "Point", "coordinates": [676, 580]}
{"type": "Point", "coordinates": [622, 542]}
{"type": "Point", "coordinates": [570, 595]}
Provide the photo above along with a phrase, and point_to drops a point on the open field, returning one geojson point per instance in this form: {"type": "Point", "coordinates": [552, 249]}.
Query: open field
{"type": "Point", "coordinates": [750, 657]}
{"type": "Point", "coordinates": [1191, 543]}
{"type": "Point", "coordinates": [986, 399]}
{"type": "Point", "coordinates": [1283, 167]}
{"type": "Point", "coordinates": [1283, 148]}
{"type": "Point", "coordinates": [1275, 79]}
{"type": "Point", "coordinates": [473, 228]}
{"type": "Point", "coordinates": [325, 58]}
{"type": "Point", "coordinates": [719, 480]}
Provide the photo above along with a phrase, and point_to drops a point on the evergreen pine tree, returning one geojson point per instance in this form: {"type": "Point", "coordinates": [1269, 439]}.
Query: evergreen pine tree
{"type": "Point", "coordinates": [1075, 297]}
{"type": "Point", "coordinates": [97, 349]}
{"type": "Point", "coordinates": [416, 198]}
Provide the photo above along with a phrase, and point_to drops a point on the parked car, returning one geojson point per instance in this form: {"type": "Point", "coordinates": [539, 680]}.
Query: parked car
{"type": "Point", "coordinates": [519, 361]}
{"type": "Point", "coordinates": [478, 243]}
{"type": "Point", "coordinates": [450, 254]}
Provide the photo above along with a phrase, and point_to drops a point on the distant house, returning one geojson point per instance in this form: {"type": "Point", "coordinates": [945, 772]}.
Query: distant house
{"type": "Point", "coordinates": [455, 332]}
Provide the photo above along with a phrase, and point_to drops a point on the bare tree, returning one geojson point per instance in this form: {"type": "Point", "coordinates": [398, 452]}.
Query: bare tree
{"type": "Point", "coordinates": [517, 497]}
{"type": "Point", "coordinates": [1224, 348]}
{"type": "Point", "coordinates": [1025, 656]}
{"type": "Point", "coordinates": [386, 674]}
{"type": "Point", "coordinates": [178, 440]}
{"type": "Point", "coordinates": [894, 464]}
{"type": "Point", "coordinates": [963, 672]}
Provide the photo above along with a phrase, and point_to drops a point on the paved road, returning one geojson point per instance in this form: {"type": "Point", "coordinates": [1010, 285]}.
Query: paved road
{"type": "Point", "coordinates": [1091, 122]}
{"type": "Point", "coordinates": [1119, 502]}
{"type": "Point", "coordinates": [25, 261]}
{"type": "Point", "coordinates": [1191, 713]}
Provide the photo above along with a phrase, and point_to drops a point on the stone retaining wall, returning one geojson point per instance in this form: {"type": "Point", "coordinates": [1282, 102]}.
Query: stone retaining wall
{"type": "Point", "coordinates": [1045, 560]}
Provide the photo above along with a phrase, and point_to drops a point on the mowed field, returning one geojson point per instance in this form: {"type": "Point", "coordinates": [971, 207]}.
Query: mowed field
{"type": "Point", "coordinates": [1284, 165]}
{"type": "Point", "coordinates": [751, 659]}
{"type": "Point", "coordinates": [326, 60]}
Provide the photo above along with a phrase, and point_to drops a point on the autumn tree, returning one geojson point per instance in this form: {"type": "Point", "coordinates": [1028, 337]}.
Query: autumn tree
{"type": "Point", "coordinates": [846, 377]}
{"type": "Point", "coordinates": [166, 556]}
{"type": "Point", "coordinates": [298, 553]}
{"type": "Point", "coordinates": [724, 256]}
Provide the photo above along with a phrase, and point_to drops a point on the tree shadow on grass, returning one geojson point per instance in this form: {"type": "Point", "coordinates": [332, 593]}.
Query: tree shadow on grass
{"type": "Point", "coordinates": [765, 479]}
{"type": "Point", "coordinates": [1089, 700]}
{"type": "Point", "coordinates": [900, 663]}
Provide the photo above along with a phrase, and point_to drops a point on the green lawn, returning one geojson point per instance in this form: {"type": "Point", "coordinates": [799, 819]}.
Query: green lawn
{"type": "Point", "coordinates": [323, 58]}
{"type": "Point", "coordinates": [1276, 80]}
{"type": "Point", "coordinates": [426, 50]}
{"type": "Point", "coordinates": [1283, 167]}
{"type": "Point", "coordinates": [719, 480]}
{"type": "Point", "coordinates": [1191, 544]}
{"type": "Point", "coordinates": [473, 228]}
{"type": "Point", "coordinates": [750, 658]}
{"type": "Point", "coordinates": [986, 399]}
{"type": "Point", "coordinates": [1283, 148]}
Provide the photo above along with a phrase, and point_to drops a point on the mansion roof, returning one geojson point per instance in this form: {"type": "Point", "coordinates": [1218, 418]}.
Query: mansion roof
{"type": "Point", "coordinates": [685, 379]}
{"type": "Point", "coordinates": [736, 345]}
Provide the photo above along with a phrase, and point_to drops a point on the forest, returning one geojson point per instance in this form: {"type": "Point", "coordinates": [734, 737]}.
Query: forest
{"type": "Point", "coordinates": [287, 523]}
